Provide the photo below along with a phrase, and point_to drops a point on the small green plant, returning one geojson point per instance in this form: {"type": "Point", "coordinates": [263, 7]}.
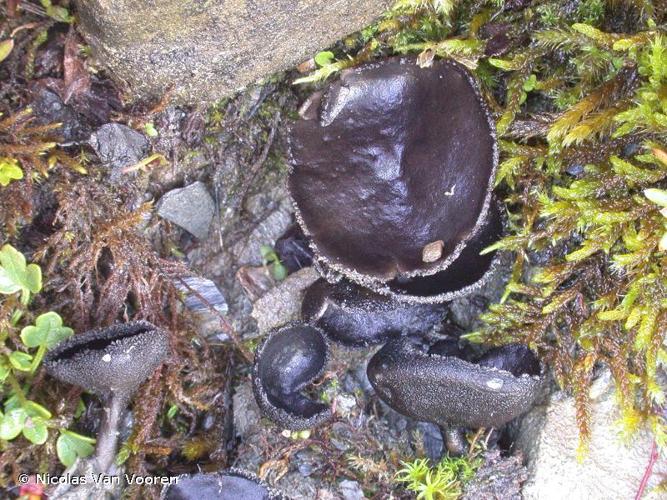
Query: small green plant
{"type": "Point", "coordinates": [19, 360]}
{"type": "Point", "coordinates": [271, 259]}
{"type": "Point", "coordinates": [57, 12]}
{"type": "Point", "coordinates": [327, 65]}
{"type": "Point", "coordinates": [444, 481]}
{"type": "Point", "coordinates": [10, 170]}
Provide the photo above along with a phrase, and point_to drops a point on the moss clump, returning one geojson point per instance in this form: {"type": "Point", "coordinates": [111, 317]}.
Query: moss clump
{"type": "Point", "coordinates": [580, 94]}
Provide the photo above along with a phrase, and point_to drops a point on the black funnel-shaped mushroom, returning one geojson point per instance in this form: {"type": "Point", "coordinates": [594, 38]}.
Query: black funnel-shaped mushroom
{"type": "Point", "coordinates": [450, 391]}
{"type": "Point", "coordinates": [111, 363]}
{"type": "Point", "coordinates": [289, 359]}
{"type": "Point", "coordinates": [231, 484]}
{"type": "Point", "coordinates": [392, 169]}
{"type": "Point", "coordinates": [357, 317]}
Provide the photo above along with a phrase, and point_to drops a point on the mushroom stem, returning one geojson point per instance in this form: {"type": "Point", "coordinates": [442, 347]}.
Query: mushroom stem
{"type": "Point", "coordinates": [455, 440]}
{"type": "Point", "coordinates": [107, 440]}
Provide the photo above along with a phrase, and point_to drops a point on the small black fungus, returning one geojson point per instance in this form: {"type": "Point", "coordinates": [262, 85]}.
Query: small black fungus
{"type": "Point", "coordinates": [111, 363]}
{"type": "Point", "coordinates": [289, 359]}
{"type": "Point", "coordinates": [231, 484]}
{"type": "Point", "coordinates": [293, 249]}
{"type": "Point", "coordinates": [357, 317]}
{"type": "Point", "coordinates": [392, 169]}
{"type": "Point", "coordinates": [448, 390]}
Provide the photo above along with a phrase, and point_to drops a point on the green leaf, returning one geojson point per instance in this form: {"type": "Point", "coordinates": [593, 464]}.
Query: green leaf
{"type": "Point", "coordinates": [324, 58]}
{"type": "Point", "coordinates": [9, 168]}
{"type": "Point", "coordinates": [266, 252]}
{"type": "Point", "coordinates": [33, 409]}
{"type": "Point", "coordinates": [150, 130]}
{"type": "Point", "coordinates": [278, 271]}
{"type": "Point", "coordinates": [123, 454]}
{"type": "Point", "coordinates": [48, 331]}
{"type": "Point", "coordinates": [6, 47]}
{"type": "Point", "coordinates": [71, 445]}
{"type": "Point", "coordinates": [530, 83]}
{"type": "Point", "coordinates": [172, 411]}
{"type": "Point", "coordinates": [35, 430]}
{"type": "Point", "coordinates": [4, 368]}
{"type": "Point", "coordinates": [20, 361]}
{"type": "Point", "coordinates": [12, 424]}
{"type": "Point", "coordinates": [16, 276]}
{"type": "Point", "coordinates": [56, 12]}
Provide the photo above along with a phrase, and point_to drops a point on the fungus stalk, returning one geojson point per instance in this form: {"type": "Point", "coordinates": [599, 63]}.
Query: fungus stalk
{"type": "Point", "coordinates": [107, 439]}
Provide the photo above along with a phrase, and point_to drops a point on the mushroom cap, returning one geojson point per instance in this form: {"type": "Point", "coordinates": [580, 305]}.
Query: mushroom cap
{"type": "Point", "coordinates": [290, 358]}
{"type": "Point", "coordinates": [231, 484]}
{"type": "Point", "coordinates": [391, 159]}
{"type": "Point", "coordinates": [113, 360]}
{"type": "Point", "coordinates": [450, 390]}
{"type": "Point", "coordinates": [357, 317]}
{"type": "Point", "coordinates": [468, 273]}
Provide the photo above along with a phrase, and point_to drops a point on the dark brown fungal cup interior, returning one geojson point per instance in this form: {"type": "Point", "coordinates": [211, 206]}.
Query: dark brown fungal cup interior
{"type": "Point", "coordinates": [290, 358]}
{"type": "Point", "coordinates": [514, 358]}
{"type": "Point", "coordinates": [465, 274]}
{"type": "Point", "coordinates": [390, 159]}
{"type": "Point", "coordinates": [80, 344]}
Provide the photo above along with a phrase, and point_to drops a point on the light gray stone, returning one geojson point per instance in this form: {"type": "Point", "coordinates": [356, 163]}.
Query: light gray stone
{"type": "Point", "coordinates": [206, 303]}
{"type": "Point", "coordinates": [283, 304]}
{"type": "Point", "coordinates": [190, 207]}
{"type": "Point", "coordinates": [118, 146]}
{"type": "Point", "coordinates": [612, 469]}
{"type": "Point", "coordinates": [203, 51]}
{"type": "Point", "coordinates": [499, 478]}
{"type": "Point", "coordinates": [351, 490]}
{"type": "Point", "coordinates": [246, 412]}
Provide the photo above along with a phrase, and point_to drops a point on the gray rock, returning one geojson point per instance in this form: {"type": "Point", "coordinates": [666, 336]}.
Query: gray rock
{"type": "Point", "coordinates": [119, 146]}
{"type": "Point", "coordinates": [283, 303]}
{"type": "Point", "coordinates": [499, 478]}
{"type": "Point", "coordinates": [191, 208]}
{"type": "Point", "coordinates": [199, 296]}
{"type": "Point", "coordinates": [431, 440]}
{"type": "Point", "coordinates": [49, 108]}
{"type": "Point", "coordinates": [203, 51]}
{"type": "Point", "coordinates": [351, 490]}
{"type": "Point", "coordinates": [246, 411]}
{"type": "Point", "coordinates": [612, 469]}
{"type": "Point", "coordinates": [276, 221]}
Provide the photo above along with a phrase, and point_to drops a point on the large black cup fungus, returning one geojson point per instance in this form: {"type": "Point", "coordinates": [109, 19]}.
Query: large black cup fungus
{"type": "Point", "coordinates": [357, 317]}
{"type": "Point", "coordinates": [231, 484]}
{"type": "Point", "coordinates": [111, 363]}
{"type": "Point", "coordinates": [289, 359]}
{"type": "Point", "coordinates": [448, 390]}
{"type": "Point", "coordinates": [469, 272]}
{"type": "Point", "coordinates": [392, 169]}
